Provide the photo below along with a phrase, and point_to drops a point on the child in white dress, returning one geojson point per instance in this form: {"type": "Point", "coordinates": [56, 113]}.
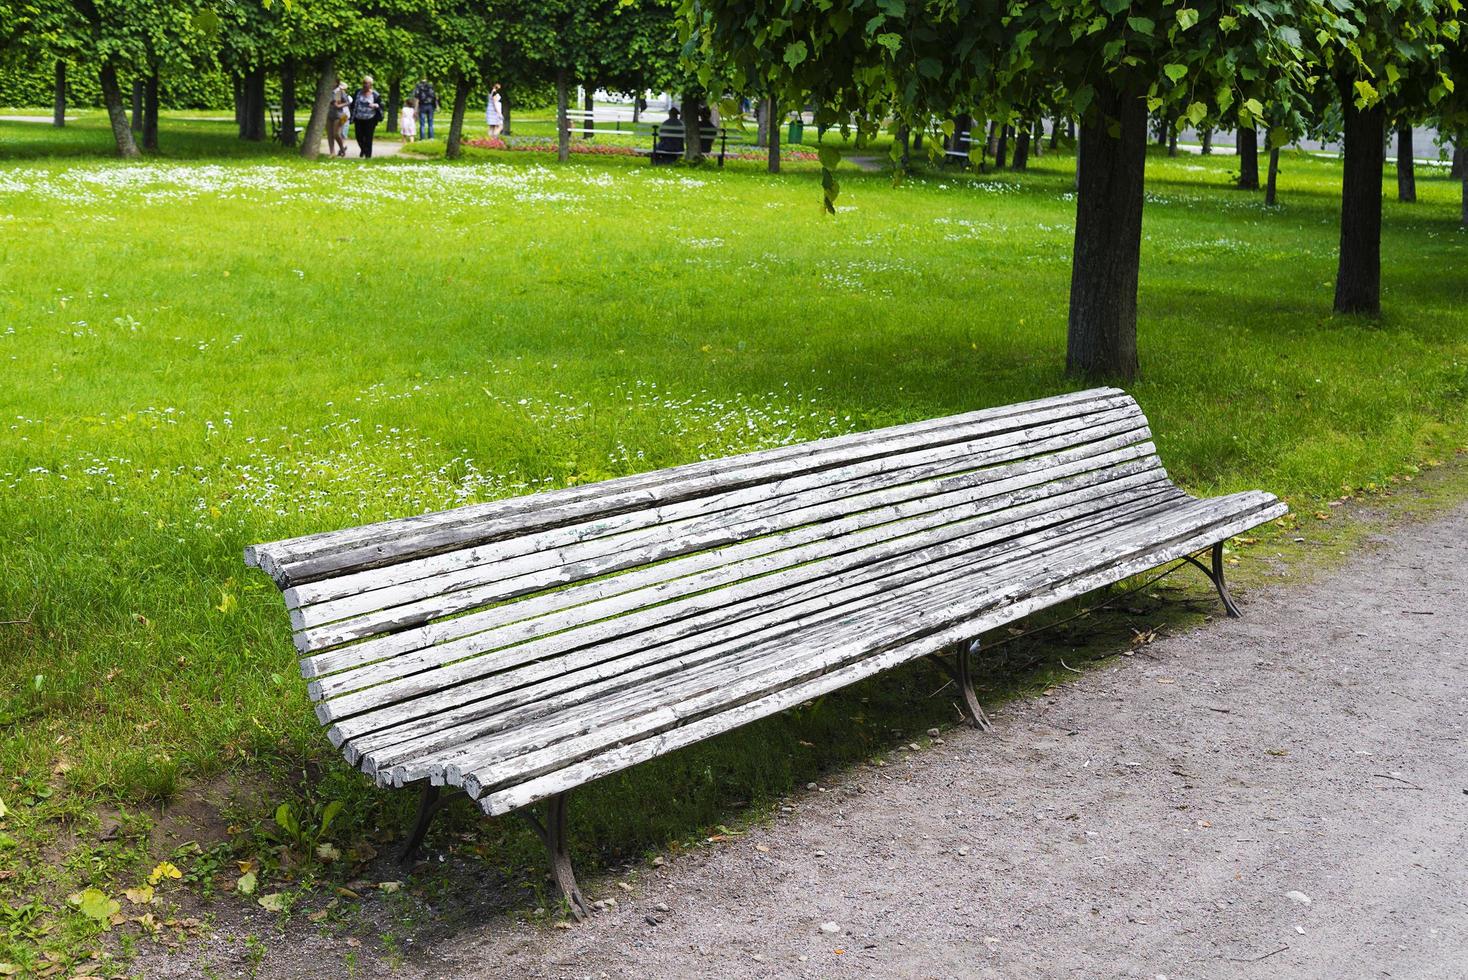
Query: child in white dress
{"type": "Point", "coordinates": [408, 121]}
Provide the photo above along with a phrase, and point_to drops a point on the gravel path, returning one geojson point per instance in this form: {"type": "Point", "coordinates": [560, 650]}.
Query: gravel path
{"type": "Point", "coordinates": [1282, 796]}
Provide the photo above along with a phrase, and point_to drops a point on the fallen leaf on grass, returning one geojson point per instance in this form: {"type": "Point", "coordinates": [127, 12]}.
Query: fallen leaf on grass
{"type": "Point", "coordinates": [388, 887]}
{"type": "Point", "coordinates": [96, 905]}
{"type": "Point", "coordinates": [165, 869]}
{"type": "Point", "coordinates": [246, 883]}
{"type": "Point", "coordinates": [8, 969]}
{"type": "Point", "coordinates": [3, 811]}
{"type": "Point", "coordinates": [328, 852]}
{"type": "Point", "coordinates": [246, 866]}
{"type": "Point", "coordinates": [141, 895]}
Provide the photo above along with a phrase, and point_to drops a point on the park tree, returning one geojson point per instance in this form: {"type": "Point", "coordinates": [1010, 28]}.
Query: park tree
{"type": "Point", "coordinates": [146, 38]}
{"type": "Point", "coordinates": [1116, 60]}
{"type": "Point", "coordinates": [1386, 59]}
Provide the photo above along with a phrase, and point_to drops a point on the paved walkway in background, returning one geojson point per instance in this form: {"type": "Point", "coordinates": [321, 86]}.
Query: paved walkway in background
{"type": "Point", "coordinates": [380, 149]}
{"type": "Point", "coordinates": [1283, 796]}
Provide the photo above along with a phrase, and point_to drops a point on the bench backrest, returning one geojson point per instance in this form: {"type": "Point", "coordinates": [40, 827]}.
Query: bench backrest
{"type": "Point", "coordinates": [441, 581]}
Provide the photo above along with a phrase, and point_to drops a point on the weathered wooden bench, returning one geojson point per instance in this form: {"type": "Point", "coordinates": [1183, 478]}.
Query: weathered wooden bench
{"type": "Point", "coordinates": [521, 648]}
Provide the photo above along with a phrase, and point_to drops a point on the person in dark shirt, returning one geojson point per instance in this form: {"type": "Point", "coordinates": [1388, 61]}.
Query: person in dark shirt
{"type": "Point", "coordinates": [366, 114]}
{"type": "Point", "coordinates": [670, 139]}
{"type": "Point", "coordinates": [427, 100]}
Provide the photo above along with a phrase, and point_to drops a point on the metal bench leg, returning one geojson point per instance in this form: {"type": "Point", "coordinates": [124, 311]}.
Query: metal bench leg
{"type": "Point", "coordinates": [552, 833]}
{"type": "Point", "coordinates": [959, 671]}
{"type": "Point", "coordinates": [428, 806]}
{"type": "Point", "coordinates": [1216, 577]}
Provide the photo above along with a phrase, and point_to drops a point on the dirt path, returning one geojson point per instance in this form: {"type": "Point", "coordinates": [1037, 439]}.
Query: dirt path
{"type": "Point", "coordinates": [1282, 796]}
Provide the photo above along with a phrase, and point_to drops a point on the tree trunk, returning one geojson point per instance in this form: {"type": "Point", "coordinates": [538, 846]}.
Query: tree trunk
{"type": "Point", "coordinates": [288, 102]}
{"type": "Point", "coordinates": [1162, 131]}
{"type": "Point", "coordinates": [150, 111]}
{"type": "Point", "coordinates": [761, 122]}
{"type": "Point", "coordinates": [692, 131]}
{"type": "Point", "coordinates": [320, 109]}
{"type": "Point", "coordinates": [588, 107]}
{"type": "Point", "coordinates": [1037, 140]}
{"type": "Point", "coordinates": [456, 121]}
{"type": "Point", "coordinates": [1358, 276]}
{"type": "Point", "coordinates": [1248, 158]}
{"type": "Point", "coordinates": [917, 140]}
{"type": "Point", "coordinates": [137, 125]}
{"type": "Point", "coordinates": [563, 124]}
{"type": "Point", "coordinates": [1206, 137]}
{"type": "Point", "coordinates": [1001, 152]}
{"type": "Point", "coordinates": [1460, 160]}
{"type": "Point", "coordinates": [116, 111]}
{"type": "Point", "coordinates": [1102, 336]}
{"type": "Point", "coordinates": [1022, 148]}
{"type": "Point", "coordinates": [773, 158]}
{"type": "Point", "coordinates": [1055, 133]}
{"type": "Point", "coordinates": [1171, 136]}
{"type": "Point", "coordinates": [254, 109]}
{"type": "Point", "coordinates": [904, 140]}
{"type": "Point", "coordinates": [239, 103]}
{"type": "Point", "coordinates": [505, 111]}
{"type": "Point", "coordinates": [1406, 167]}
{"type": "Point", "coordinates": [394, 104]}
{"type": "Point", "coordinates": [991, 143]}
{"type": "Point", "coordinates": [58, 117]}
{"type": "Point", "coordinates": [1271, 188]}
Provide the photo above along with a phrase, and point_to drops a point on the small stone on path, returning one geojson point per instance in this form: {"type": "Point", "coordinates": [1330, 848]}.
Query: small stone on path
{"type": "Point", "coordinates": [830, 928]}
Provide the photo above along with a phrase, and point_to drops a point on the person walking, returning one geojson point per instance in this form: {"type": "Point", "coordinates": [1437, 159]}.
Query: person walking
{"type": "Point", "coordinates": [366, 114]}
{"type": "Point", "coordinates": [427, 101]}
{"type": "Point", "coordinates": [494, 115]}
{"type": "Point", "coordinates": [336, 120]}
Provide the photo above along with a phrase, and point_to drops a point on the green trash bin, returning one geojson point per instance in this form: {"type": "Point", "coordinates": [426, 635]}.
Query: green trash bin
{"type": "Point", "coordinates": [797, 132]}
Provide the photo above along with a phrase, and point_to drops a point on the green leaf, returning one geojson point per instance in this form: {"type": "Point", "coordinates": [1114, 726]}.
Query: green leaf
{"type": "Point", "coordinates": [246, 884]}
{"type": "Point", "coordinates": [1142, 25]}
{"type": "Point", "coordinates": [795, 53]}
{"type": "Point", "coordinates": [335, 806]}
{"type": "Point", "coordinates": [1175, 72]}
{"type": "Point", "coordinates": [1197, 112]}
{"type": "Point", "coordinates": [285, 818]}
{"type": "Point", "coordinates": [1187, 18]}
{"type": "Point", "coordinates": [1254, 108]}
{"type": "Point", "coordinates": [1366, 94]}
{"type": "Point", "coordinates": [96, 905]}
{"type": "Point", "coordinates": [892, 42]}
{"type": "Point", "coordinates": [830, 156]}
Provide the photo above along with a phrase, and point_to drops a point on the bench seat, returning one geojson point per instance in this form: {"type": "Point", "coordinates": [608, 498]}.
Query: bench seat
{"type": "Point", "coordinates": [521, 648]}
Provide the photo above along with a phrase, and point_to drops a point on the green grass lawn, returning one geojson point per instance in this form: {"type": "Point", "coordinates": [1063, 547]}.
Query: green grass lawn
{"type": "Point", "coordinates": [199, 355]}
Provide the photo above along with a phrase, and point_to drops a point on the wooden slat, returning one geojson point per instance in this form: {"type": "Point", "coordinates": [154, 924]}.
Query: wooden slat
{"type": "Point", "coordinates": [599, 669]}
{"type": "Point", "coordinates": [768, 653]}
{"type": "Point", "coordinates": [622, 757]}
{"type": "Point", "coordinates": [708, 521]}
{"type": "Point", "coordinates": [561, 532]}
{"type": "Point", "coordinates": [505, 762]}
{"type": "Point", "coordinates": [960, 522]}
{"type": "Point", "coordinates": [736, 624]}
{"type": "Point", "coordinates": [319, 556]}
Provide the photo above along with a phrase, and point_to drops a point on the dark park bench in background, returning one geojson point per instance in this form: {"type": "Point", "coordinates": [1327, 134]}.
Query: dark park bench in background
{"type": "Point", "coordinates": [521, 648]}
